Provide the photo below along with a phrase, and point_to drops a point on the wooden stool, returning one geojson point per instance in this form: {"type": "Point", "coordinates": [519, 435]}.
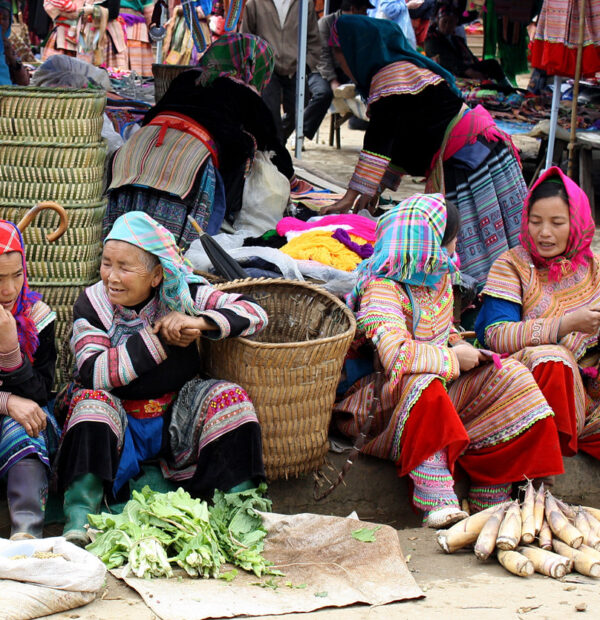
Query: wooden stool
{"type": "Point", "coordinates": [336, 122]}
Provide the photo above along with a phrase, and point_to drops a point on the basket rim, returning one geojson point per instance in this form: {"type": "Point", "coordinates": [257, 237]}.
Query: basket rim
{"type": "Point", "coordinates": [62, 93]}
{"type": "Point", "coordinates": [246, 282]}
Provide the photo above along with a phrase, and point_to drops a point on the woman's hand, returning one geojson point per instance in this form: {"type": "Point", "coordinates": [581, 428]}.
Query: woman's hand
{"type": "Point", "coordinates": [27, 413]}
{"type": "Point", "coordinates": [468, 356]}
{"type": "Point", "coordinates": [343, 205]}
{"type": "Point", "coordinates": [179, 329]}
{"type": "Point", "coordinates": [586, 320]}
{"type": "Point", "coordinates": [9, 340]}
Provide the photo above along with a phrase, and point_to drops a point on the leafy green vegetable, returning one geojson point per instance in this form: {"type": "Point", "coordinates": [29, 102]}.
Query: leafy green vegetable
{"type": "Point", "coordinates": [157, 530]}
{"type": "Point", "coordinates": [364, 534]}
{"type": "Point", "coordinates": [230, 575]}
{"type": "Point", "coordinates": [321, 594]}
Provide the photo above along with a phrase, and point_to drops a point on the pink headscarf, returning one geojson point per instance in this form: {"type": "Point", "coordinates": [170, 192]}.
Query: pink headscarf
{"type": "Point", "coordinates": [581, 231]}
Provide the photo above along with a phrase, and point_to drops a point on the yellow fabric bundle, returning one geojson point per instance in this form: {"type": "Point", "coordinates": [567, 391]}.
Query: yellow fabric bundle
{"type": "Point", "coordinates": [319, 246]}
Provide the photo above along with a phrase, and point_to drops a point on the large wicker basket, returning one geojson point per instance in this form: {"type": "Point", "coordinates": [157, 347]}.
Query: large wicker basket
{"type": "Point", "coordinates": [290, 370]}
{"type": "Point", "coordinates": [164, 75]}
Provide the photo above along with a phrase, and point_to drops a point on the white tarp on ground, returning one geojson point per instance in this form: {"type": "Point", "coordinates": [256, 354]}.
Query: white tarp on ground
{"type": "Point", "coordinates": [324, 566]}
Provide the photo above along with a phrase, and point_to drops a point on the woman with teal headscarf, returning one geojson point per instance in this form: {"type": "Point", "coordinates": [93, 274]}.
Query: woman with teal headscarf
{"type": "Point", "coordinates": [138, 393]}
{"type": "Point", "coordinates": [420, 126]}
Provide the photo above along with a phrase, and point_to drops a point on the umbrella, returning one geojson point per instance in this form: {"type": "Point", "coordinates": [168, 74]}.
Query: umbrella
{"type": "Point", "coordinates": [224, 265]}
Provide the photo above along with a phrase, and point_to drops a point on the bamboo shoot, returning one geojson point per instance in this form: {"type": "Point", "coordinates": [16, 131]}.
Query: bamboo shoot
{"type": "Point", "coordinates": [560, 525]}
{"type": "Point", "coordinates": [583, 563]}
{"type": "Point", "coordinates": [545, 562]}
{"type": "Point", "coordinates": [486, 541]}
{"type": "Point", "coordinates": [509, 533]}
{"type": "Point", "coordinates": [538, 509]}
{"type": "Point", "coordinates": [515, 563]}
{"type": "Point", "coordinates": [545, 536]}
{"type": "Point", "coordinates": [464, 532]}
{"type": "Point", "coordinates": [527, 517]}
{"type": "Point", "coordinates": [583, 524]}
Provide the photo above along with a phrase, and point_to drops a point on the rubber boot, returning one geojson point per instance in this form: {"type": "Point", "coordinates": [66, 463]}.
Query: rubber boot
{"type": "Point", "coordinates": [26, 492]}
{"type": "Point", "coordinates": [83, 497]}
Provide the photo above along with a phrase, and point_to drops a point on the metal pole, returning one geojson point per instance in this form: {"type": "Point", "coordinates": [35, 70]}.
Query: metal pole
{"type": "Point", "coordinates": [326, 6]}
{"type": "Point", "coordinates": [553, 120]}
{"type": "Point", "coordinates": [301, 76]}
{"type": "Point", "coordinates": [573, 136]}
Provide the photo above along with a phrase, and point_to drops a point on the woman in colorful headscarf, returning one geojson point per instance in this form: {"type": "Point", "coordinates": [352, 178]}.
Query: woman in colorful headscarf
{"type": "Point", "coordinates": [420, 126]}
{"type": "Point", "coordinates": [443, 402]}
{"type": "Point", "coordinates": [219, 106]}
{"type": "Point", "coordinates": [542, 306]}
{"type": "Point", "coordinates": [137, 393]}
{"type": "Point", "coordinates": [28, 432]}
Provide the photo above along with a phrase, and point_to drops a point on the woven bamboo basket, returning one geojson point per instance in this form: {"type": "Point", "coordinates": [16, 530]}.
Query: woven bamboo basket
{"type": "Point", "coordinates": [49, 155]}
{"type": "Point", "coordinates": [56, 190]}
{"type": "Point", "coordinates": [51, 103]}
{"type": "Point", "coordinates": [60, 130]}
{"type": "Point", "coordinates": [81, 214]}
{"type": "Point", "coordinates": [290, 370]}
{"type": "Point", "coordinates": [164, 75]}
{"type": "Point", "coordinates": [56, 175]}
{"type": "Point", "coordinates": [73, 238]}
{"type": "Point", "coordinates": [69, 272]}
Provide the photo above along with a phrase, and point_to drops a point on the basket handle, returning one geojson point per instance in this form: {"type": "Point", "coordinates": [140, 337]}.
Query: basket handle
{"type": "Point", "coordinates": [41, 206]}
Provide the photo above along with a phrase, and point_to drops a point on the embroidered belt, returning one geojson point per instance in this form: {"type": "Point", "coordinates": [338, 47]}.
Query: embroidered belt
{"type": "Point", "coordinates": [150, 408]}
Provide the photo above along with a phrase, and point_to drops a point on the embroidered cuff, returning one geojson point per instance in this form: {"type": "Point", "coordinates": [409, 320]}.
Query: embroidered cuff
{"type": "Point", "coordinates": [4, 396]}
{"type": "Point", "coordinates": [392, 177]}
{"type": "Point", "coordinates": [11, 360]}
{"type": "Point", "coordinates": [222, 327]}
{"type": "Point", "coordinates": [454, 369]}
{"type": "Point", "coordinates": [368, 173]}
{"type": "Point", "coordinates": [544, 331]}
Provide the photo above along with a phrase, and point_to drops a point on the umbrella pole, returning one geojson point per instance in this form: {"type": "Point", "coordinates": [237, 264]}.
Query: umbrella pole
{"type": "Point", "coordinates": [573, 137]}
{"type": "Point", "coordinates": [553, 121]}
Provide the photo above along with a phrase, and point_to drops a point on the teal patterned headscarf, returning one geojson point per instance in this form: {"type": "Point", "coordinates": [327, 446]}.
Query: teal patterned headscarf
{"type": "Point", "coordinates": [141, 230]}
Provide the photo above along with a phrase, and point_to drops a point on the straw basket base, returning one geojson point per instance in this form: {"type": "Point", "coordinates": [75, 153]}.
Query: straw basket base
{"type": "Point", "coordinates": [290, 370]}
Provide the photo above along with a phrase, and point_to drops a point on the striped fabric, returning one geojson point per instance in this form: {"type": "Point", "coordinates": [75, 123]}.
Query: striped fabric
{"type": "Point", "coordinates": [368, 173]}
{"type": "Point", "coordinates": [490, 200]}
{"type": "Point", "coordinates": [495, 405]}
{"type": "Point", "coordinates": [165, 160]}
{"type": "Point", "coordinates": [401, 78]}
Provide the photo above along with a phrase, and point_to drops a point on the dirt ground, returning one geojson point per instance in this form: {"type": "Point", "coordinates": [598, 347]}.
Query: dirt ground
{"type": "Point", "coordinates": [455, 586]}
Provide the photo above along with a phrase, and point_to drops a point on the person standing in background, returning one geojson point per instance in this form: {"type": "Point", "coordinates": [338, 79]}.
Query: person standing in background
{"type": "Point", "coordinates": [397, 11]}
{"type": "Point", "coordinates": [277, 21]}
{"type": "Point", "coordinates": [328, 75]}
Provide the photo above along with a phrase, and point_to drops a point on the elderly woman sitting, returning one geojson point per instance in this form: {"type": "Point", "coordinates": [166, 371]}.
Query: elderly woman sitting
{"type": "Point", "coordinates": [137, 394]}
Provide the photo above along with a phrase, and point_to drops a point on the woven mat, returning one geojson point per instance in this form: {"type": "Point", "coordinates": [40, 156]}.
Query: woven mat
{"type": "Point", "coordinates": [324, 566]}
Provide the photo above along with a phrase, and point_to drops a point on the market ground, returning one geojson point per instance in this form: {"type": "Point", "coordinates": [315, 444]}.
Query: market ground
{"type": "Point", "coordinates": [455, 586]}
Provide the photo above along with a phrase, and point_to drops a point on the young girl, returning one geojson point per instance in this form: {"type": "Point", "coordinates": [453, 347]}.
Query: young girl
{"type": "Point", "coordinates": [441, 403]}
{"type": "Point", "coordinates": [27, 361]}
{"type": "Point", "coordinates": [542, 305]}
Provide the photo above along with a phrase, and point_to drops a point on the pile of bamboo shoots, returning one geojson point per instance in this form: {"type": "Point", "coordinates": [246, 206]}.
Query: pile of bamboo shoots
{"type": "Point", "coordinates": [542, 535]}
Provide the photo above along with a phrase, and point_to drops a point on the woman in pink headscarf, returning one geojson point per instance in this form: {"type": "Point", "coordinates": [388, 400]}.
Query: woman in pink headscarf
{"type": "Point", "coordinates": [542, 305]}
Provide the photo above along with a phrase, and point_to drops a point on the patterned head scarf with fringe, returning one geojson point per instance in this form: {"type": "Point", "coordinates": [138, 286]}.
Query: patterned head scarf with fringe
{"type": "Point", "coordinates": [141, 230]}
{"type": "Point", "coordinates": [581, 233]}
{"type": "Point", "coordinates": [408, 246]}
{"type": "Point", "coordinates": [12, 241]}
{"type": "Point", "coordinates": [242, 57]}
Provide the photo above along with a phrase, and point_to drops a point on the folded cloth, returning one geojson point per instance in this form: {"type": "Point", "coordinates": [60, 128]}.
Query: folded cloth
{"type": "Point", "coordinates": [357, 225]}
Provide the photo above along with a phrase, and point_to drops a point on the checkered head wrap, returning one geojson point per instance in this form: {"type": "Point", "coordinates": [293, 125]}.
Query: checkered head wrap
{"type": "Point", "coordinates": [12, 241]}
{"type": "Point", "coordinates": [408, 246]}
{"type": "Point", "coordinates": [139, 229]}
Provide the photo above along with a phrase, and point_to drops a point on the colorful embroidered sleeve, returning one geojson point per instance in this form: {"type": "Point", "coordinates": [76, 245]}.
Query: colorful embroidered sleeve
{"type": "Point", "coordinates": [368, 173]}
{"type": "Point", "coordinates": [500, 321]}
{"type": "Point", "coordinates": [232, 314]}
{"type": "Point", "coordinates": [101, 366]}
{"type": "Point", "coordinates": [382, 318]}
